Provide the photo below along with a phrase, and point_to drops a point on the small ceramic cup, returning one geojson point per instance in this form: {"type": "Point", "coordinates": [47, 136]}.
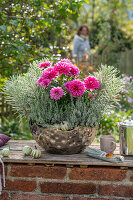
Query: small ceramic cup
{"type": "Point", "coordinates": [107, 143]}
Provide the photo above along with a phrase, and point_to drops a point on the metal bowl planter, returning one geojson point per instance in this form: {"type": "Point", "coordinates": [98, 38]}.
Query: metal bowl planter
{"type": "Point", "coordinates": [63, 142]}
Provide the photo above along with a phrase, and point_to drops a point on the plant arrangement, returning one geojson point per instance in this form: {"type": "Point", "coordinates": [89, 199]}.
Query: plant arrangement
{"type": "Point", "coordinates": [55, 96]}
{"type": "Point", "coordinates": [63, 108]}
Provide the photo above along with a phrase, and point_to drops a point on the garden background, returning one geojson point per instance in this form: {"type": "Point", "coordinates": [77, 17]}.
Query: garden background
{"type": "Point", "coordinates": [33, 29]}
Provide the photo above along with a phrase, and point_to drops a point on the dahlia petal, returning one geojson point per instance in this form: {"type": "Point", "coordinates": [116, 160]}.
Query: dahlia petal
{"type": "Point", "coordinates": [56, 93]}
{"type": "Point", "coordinates": [44, 64]}
{"type": "Point", "coordinates": [91, 83]}
{"type": "Point", "coordinates": [75, 87]}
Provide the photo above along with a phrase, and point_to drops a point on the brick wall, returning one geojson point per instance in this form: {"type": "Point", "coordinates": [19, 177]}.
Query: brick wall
{"type": "Point", "coordinates": [40, 182]}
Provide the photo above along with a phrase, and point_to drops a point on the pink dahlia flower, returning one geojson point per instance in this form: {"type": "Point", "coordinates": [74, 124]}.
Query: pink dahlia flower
{"type": "Point", "coordinates": [65, 60]}
{"type": "Point", "coordinates": [44, 64]}
{"type": "Point", "coordinates": [67, 85]}
{"type": "Point", "coordinates": [74, 71]}
{"type": "Point", "coordinates": [75, 87]}
{"type": "Point", "coordinates": [56, 93]}
{"type": "Point", "coordinates": [43, 82]}
{"type": "Point", "coordinates": [91, 96]}
{"type": "Point", "coordinates": [63, 66]}
{"type": "Point", "coordinates": [91, 83]}
{"type": "Point", "coordinates": [49, 73]}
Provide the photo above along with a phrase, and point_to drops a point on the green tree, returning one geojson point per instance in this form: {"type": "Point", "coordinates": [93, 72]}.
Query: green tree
{"type": "Point", "coordinates": [107, 20]}
{"type": "Point", "coordinates": [33, 29]}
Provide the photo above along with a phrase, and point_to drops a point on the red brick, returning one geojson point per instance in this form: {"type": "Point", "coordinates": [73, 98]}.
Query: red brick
{"type": "Point", "coordinates": [97, 174]}
{"type": "Point", "coordinates": [5, 167]}
{"type": "Point", "coordinates": [116, 190]}
{"type": "Point", "coordinates": [68, 188]}
{"type": "Point", "coordinates": [38, 171]}
{"type": "Point", "coordinates": [4, 196]}
{"type": "Point", "coordinates": [6, 171]}
{"type": "Point", "coordinates": [35, 197]}
{"type": "Point", "coordinates": [22, 185]}
{"type": "Point", "coordinates": [88, 198]}
{"type": "Point", "coordinates": [131, 178]}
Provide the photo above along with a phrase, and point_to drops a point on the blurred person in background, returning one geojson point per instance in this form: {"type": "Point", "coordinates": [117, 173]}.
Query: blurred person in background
{"type": "Point", "coordinates": [81, 45]}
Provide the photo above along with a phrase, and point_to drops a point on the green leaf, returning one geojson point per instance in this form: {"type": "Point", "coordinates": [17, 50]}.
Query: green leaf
{"type": "Point", "coordinates": [3, 28]}
{"type": "Point", "coordinates": [14, 22]}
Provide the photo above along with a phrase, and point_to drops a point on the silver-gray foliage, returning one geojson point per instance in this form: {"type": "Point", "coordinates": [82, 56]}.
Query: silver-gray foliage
{"type": "Point", "coordinates": [33, 101]}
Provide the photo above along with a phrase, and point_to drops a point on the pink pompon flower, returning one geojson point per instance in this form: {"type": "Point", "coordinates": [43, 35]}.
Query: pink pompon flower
{"type": "Point", "coordinates": [63, 66]}
{"type": "Point", "coordinates": [43, 82]}
{"type": "Point", "coordinates": [91, 83]}
{"type": "Point", "coordinates": [65, 60]}
{"type": "Point", "coordinates": [74, 71]}
{"type": "Point", "coordinates": [56, 93]}
{"type": "Point", "coordinates": [91, 96]}
{"type": "Point", "coordinates": [67, 85]}
{"type": "Point", "coordinates": [44, 64]}
{"type": "Point", "coordinates": [75, 87]}
{"type": "Point", "coordinates": [49, 73]}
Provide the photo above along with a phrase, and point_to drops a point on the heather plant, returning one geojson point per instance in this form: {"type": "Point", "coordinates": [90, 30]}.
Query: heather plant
{"type": "Point", "coordinates": [54, 95]}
